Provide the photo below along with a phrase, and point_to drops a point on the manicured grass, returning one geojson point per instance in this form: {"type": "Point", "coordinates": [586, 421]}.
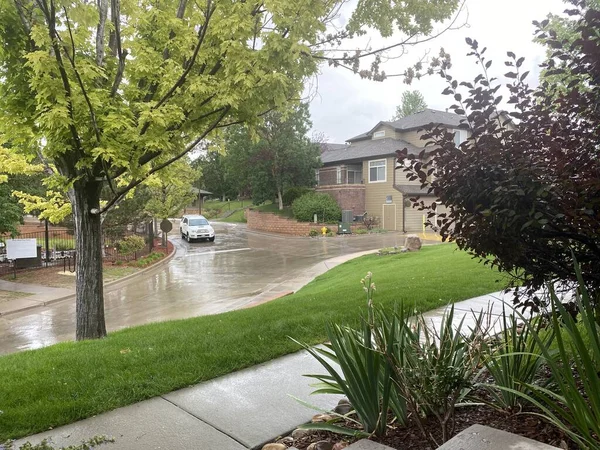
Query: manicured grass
{"type": "Point", "coordinates": [274, 208]}
{"type": "Point", "coordinates": [116, 272]}
{"type": "Point", "coordinates": [236, 217]}
{"type": "Point", "coordinates": [70, 381]}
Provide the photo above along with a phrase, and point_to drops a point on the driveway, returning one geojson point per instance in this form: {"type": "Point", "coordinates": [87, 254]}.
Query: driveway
{"type": "Point", "coordinates": [238, 269]}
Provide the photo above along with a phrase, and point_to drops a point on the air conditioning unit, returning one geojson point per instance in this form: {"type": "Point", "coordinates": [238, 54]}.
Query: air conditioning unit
{"type": "Point", "coordinates": [347, 215]}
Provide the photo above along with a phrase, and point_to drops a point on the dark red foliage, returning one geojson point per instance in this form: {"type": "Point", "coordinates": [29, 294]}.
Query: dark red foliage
{"type": "Point", "coordinates": [523, 192]}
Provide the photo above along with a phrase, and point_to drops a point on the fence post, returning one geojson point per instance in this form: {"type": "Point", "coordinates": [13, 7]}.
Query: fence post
{"type": "Point", "coordinates": [151, 237]}
{"type": "Point", "coordinates": [47, 236]}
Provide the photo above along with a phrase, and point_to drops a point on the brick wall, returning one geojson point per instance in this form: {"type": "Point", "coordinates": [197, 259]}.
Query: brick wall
{"type": "Point", "coordinates": [349, 196]}
{"type": "Point", "coordinates": [274, 223]}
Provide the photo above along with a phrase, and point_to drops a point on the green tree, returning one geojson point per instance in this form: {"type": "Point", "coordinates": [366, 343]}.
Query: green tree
{"type": "Point", "coordinates": [214, 175]}
{"type": "Point", "coordinates": [282, 157]}
{"type": "Point", "coordinates": [564, 30]}
{"type": "Point", "coordinates": [109, 92]}
{"type": "Point", "coordinates": [171, 191]}
{"type": "Point", "coordinates": [12, 213]}
{"type": "Point", "coordinates": [412, 102]}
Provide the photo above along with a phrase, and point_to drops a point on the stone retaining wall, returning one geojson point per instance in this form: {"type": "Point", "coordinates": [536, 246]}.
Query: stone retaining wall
{"type": "Point", "coordinates": [274, 223]}
{"type": "Point", "coordinates": [348, 196]}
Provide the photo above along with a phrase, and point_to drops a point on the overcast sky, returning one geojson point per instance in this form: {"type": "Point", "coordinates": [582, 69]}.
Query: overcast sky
{"type": "Point", "coordinates": [343, 105]}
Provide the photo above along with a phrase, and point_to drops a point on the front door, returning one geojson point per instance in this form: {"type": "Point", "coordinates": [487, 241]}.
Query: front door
{"type": "Point", "coordinates": [389, 217]}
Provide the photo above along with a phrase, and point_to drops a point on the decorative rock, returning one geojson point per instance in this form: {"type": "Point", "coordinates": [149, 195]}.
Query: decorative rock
{"type": "Point", "coordinates": [340, 445]}
{"type": "Point", "coordinates": [321, 418]}
{"type": "Point", "coordinates": [299, 433]}
{"type": "Point", "coordinates": [321, 445]}
{"type": "Point", "coordinates": [274, 447]}
{"type": "Point", "coordinates": [343, 408]}
{"type": "Point", "coordinates": [403, 250]}
{"type": "Point", "coordinates": [412, 243]}
{"type": "Point", "coordinates": [344, 401]}
{"type": "Point", "coordinates": [288, 440]}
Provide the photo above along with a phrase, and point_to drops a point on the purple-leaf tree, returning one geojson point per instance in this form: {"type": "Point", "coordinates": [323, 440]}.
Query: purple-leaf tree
{"type": "Point", "coordinates": [523, 191]}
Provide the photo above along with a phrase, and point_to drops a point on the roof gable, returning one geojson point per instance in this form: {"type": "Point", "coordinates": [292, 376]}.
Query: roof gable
{"type": "Point", "coordinates": [415, 121]}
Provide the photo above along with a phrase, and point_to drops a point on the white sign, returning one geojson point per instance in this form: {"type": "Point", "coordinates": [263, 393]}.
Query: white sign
{"type": "Point", "coordinates": [21, 248]}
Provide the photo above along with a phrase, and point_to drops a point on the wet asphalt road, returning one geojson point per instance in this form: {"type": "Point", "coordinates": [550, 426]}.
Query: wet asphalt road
{"type": "Point", "coordinates": [203, 278]}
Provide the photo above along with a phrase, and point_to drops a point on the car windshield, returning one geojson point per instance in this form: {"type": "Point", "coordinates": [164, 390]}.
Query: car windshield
{"type": "Point", "coordinates": [198, 222]}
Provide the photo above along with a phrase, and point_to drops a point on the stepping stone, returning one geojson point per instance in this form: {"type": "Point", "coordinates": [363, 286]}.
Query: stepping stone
{"type": "Point", "coordinates": [479, 437]}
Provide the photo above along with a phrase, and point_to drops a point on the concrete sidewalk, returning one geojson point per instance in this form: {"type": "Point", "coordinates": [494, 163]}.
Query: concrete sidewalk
{"type": "Point", "coordinates": [40, 296]}
{"type": "Point", "coordinates": [242, 410]}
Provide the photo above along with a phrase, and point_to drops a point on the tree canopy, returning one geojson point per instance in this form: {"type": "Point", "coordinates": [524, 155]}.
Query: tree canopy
{"type": "Point", "coordinates": [523, 192]}
{"type": "Point", "coordinates": [107, 93]}
{"type": "Point", "coordinates": [280, 156]}
{"type": "Point", "coordinates": [411, 102]}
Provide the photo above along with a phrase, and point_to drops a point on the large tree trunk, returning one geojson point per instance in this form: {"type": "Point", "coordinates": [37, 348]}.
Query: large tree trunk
{"type": "Point", "coordinates": [89, 291]}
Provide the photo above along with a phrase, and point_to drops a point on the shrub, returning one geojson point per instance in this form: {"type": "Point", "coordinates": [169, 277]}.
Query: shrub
{"type": "Point", "coordinates": [211, 213]}
{"type": "Point", "coordinates": [397, 363]}
{"type": "Point", "coordinates": [574, 404]}
{"type": "Point", "coordinates": [130, 244]}
{"type": "Point", "coordinates": [433, 369]}
{"type": "Point", "coordinates": [370, 222]}
{"type": "Point", "coordinates": [514, 360]}
{"type": "Point", "coordinates": [361, 231]}
{"type": "Point", "coordinates": [293, 193]}
{"type": "Point", "coordinates": [313, 233]}
{"type": "Point", "coordinates": [323, 205]}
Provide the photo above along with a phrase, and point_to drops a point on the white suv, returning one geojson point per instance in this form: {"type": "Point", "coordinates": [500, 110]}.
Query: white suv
{"type": "Point", "coordinates": [196, 227]}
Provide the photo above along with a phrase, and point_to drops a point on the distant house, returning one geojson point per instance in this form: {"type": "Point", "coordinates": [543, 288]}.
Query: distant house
{"type": "Point", "coordinates": [360, 174]}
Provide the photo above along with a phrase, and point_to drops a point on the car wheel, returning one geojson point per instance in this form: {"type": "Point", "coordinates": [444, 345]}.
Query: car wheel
{"type": "Point", "coordinates": [212, 239]}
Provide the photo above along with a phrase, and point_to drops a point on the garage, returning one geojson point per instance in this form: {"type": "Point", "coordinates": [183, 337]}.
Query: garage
{"type": "Point", "coordinates": [414, 219]}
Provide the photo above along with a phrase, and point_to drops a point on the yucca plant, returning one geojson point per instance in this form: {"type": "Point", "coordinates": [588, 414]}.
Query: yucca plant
{"type": "Point", "coordinates": [432, 369]}
{"type": "Point", "coordinates": [363, 376]}
{"type": "Point", "coordinates": [574, 403]}
{"type": "Point", "coordinates": [514, 360]}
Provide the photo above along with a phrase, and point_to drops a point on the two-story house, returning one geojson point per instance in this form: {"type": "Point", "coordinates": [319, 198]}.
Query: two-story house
{"type": "Point", "coordinates": [361, 175]}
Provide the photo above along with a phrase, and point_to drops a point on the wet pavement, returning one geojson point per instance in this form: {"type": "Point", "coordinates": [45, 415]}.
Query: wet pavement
{"type": "Point", "coordinates": [203, 278]}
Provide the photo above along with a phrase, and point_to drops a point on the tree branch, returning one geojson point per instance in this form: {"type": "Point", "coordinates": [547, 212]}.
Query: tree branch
{"type": "Point", "coordinates": [71, 59]}
{"type": "Point", "coordinates": [187, 149]}
{"type": "Point", "coordinates": [115, 13]}
{"type": "Point", "coordinates": [50, 15]}
{"type": "Point", "coordinates": [102, 12]}
{"type": "Point", "coordinates": [201, 34]}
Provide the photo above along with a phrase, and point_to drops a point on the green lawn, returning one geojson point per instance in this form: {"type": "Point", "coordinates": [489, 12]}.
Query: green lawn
{"type": "Point", "coordinates": [274, 208]}
{"type": "Point", "coordinates": [236, 217]}
{"type": "Point", "coordinates": [70, 381]}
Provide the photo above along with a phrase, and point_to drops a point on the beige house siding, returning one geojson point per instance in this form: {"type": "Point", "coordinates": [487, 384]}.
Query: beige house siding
{"type": "Point", "coordinates": [376, 195]}
{"type": "Point", "coordinates": [389, 132]}
{"type": "Point", "coordinates": [412, 137]}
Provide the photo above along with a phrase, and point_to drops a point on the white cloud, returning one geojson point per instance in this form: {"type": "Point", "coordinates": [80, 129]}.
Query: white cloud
{"type": "Point", "coordinates": [346, 105]}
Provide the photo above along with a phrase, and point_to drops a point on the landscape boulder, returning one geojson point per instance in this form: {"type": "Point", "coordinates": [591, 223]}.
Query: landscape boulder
{"type": "Point", "coordinates": [412, 243]}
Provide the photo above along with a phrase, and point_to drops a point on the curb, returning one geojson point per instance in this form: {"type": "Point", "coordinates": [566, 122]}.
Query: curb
{"type": "Point", "coordinates": [110, 284]}
{"type": "Point", "coordinates": [350, 257]}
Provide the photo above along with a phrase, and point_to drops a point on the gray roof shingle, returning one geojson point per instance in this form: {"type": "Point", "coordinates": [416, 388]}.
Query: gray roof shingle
{"type": "Point", "coordinates": [358, 151]}
{"type": "Point", "coordinates": [415, 121]}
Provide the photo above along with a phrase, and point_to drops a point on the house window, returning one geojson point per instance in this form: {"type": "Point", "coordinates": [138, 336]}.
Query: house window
{"type": "Point", "coordinates": [377, 170]}
{"type": "Point", "coordinates": [460, 136]}
{"type": "Point", "coordinates": [379, 134]}
{"type": "Point", "coordinates": [338, 175]}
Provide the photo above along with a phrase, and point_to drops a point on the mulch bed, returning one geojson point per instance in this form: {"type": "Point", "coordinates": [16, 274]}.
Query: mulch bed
{"type": "Point", "coordinates": [411, 438]}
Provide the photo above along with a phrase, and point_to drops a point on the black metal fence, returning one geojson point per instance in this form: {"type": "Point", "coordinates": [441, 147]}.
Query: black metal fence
{"type": "Point", "coordinates": [57, 248]}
